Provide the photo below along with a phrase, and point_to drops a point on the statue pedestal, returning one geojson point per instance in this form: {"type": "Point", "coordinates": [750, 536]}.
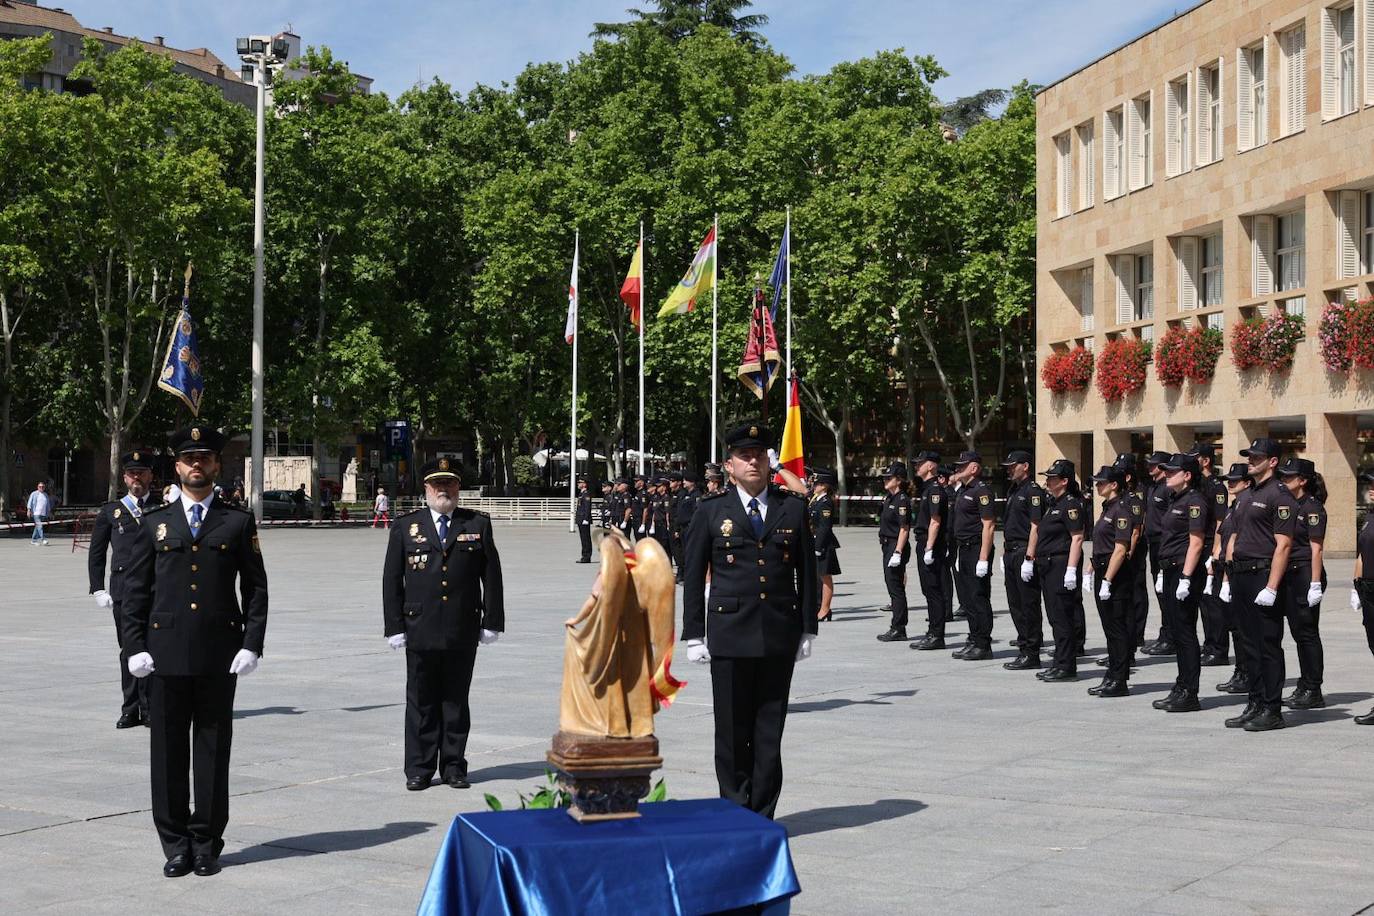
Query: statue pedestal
{"type": "Point", "coordinates": [606, 777]}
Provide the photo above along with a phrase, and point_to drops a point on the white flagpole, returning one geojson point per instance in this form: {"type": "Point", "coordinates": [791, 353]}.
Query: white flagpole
{"type": "Point", "coordinates": [572, 449]}
{"type": "Point", "coordinates": [643, 313]}
{"type": "Point", "coordinates": [787, 234]}
{"type": "Point", "coordinates": [715, 262]}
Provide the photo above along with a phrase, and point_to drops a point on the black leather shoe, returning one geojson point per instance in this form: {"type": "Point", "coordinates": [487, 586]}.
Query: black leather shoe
{"type": "Point", "coordinates": [1266, 720]}
{"type": "Point", "coordinates": [1103, 662]}
{"type": "Point", "coordinates": [1186, 702]}
{"type": "Point", "coordinates": [1165, 701]}
{"type": "Point", "coordinates": [1094, 691]}
{"type": "Point", "coordinates": [457, 781]}
{"type": "Point", "coordinates": [1297, 695]}
{"type": "Point", "coordinates": [927, 643]}
{"type": "Point", "coordinates": [961, 651]}
{"type": "Point", "coordinates": [1115, 689]}
{"type": "Point", "coordinates": [1041, 675]}
{"type": "Point", "coordinates": [892, 635]}
{"type": "Point", "coordinates": [1146, 646]}
{"type": "Point", "coordinates": [1060, 674]}
{"type": "Point", "coordinates": [1023, 663]}
{"type": "Point", "coordinates": [885, 610]}
{"type": "Point", "coordinates": [129, 720]}
{"type": "Point", "coordinates": [583, 561]}
{"type": "Point", "coordinates": [1215, 661]}
{"type": "Point", "coordinates": [960, 614]}
{"type": "Point", "coordinates": [1249, 712]}
{"type": "Point", "coordinates": [975, 654]}
{"type": "Point", "coordinates": [177, 866]}
{"type": "Point", "coordinates": [417, 783]}
{"type": "Point", "coordinates": [1366, 719]}
{"type": "Point", "coordinates": [1161, 648]}
{"type": "Point", "coordinates": [1239, 683]}
{"type": "Point", "coordinates": [207, 865]}
{"type": "Point", "coordinates": [1312, 699]}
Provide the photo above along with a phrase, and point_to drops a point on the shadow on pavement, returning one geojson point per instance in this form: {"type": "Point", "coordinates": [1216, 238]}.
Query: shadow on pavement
{"type": "Point", "coordinates": [268, 711]}
{"type": "Point", "coordinates": [533, 769]}
{"type": "Point", "coordinates": [819, 820]}
{"type": "Point", "coordinates": [370, 708]}
{"type": "Point", "coordinates": [314, 844]}
{"type": "Point", "coordinates": [878, 699]}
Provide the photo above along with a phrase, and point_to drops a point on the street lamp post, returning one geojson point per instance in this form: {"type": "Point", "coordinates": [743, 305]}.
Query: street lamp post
{"type": "Point", "coordinates": [259, 55]}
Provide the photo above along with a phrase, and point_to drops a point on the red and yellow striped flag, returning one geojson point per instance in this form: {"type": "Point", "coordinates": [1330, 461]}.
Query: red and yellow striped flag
{"type": "Point", "coordinates": [631, 291]}
{"type": "Point", "coordinates": [790, 454]}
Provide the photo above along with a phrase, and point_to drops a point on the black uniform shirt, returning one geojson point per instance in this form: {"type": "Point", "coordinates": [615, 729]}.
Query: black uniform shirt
{"type": "Point", "coordinates": [685, 509]}
{"type": "Point", "coordinates": [972, 507]}
{"type": "Point", "coordinates": [1311, 524]}
{"type": "Point", "coordinates": [584, 507]}
{"type": "Point", "coordinates": [934, 505]}
{"type": "Point", "coordinates": [660, 508]}
{"type": "Point", "coordinates": [1113, 527]}
{"type": "Point", "coordinates": [1058, 521]}
{"type": "Point", "coordinates": [1188, 514]}
{"type": "Point", "coordinates": [1218, 498]}
{"type": "Point", "coordinates": [1156, 503]}
{"type": "Point", "coordinates": [1364, 545]}
{"type": "Point", "coordinates": [1227, 528]}
{"type": "Point", "coordinates": [1259, 514]}
{"type": "Point", "coordinates": [896, 515]}
{"type": "Point", "coordinates": [1021, 498]}
{"type": "Point", "coordinates": [442, 594]}
{"type": "Point", "coordinates": [822, 512]}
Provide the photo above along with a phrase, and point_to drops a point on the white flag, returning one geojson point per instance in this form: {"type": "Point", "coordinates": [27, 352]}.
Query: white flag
{"type": "Point", "coordinates": [570, 326]}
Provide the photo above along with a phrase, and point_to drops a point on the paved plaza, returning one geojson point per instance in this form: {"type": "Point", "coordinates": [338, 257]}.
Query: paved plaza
{"type": "Point", "coordinates": [915, 782]}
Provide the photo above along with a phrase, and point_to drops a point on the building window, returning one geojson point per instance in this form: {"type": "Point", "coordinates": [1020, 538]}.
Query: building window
{"type": "Point", "coordinates": [1113, 154]}
{"type": "Point", "coordinates": [1338, 61]}
{"type": "Point", "coordinates": [1352, 233]}
{"type": "Point", "coordinates": [1085, 299]}
{"type": "Point", "coordinates": [1211, 270]}
{"type": "Point", "coordinates": [1086, 191]}
{"type": "Point", "coordinates": [1368, 232]}
{"type": "Point", "coordinates": [1140, 142]}
{"type": "Point", "coordinates": [1144, 298]}
{"type": "Point", "coordinates": [1178, 140]}
{"type": "Point", "coordinates": [1217, 321]}
{"type": "Point", "coordinates": [1252, 110]}
{"type": "Point", "coordinates": [1063, 175]}
{"type": "Point", "coordinates": [1294, 306]}
{"type": "Point", "coordinates": [1292, 258]}
{"type": "Point", "coordinates": [1293, 48]}
{"type": "Point", "coordinates": [1209, 128]}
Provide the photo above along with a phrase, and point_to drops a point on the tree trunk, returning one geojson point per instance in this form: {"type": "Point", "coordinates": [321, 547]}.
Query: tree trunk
{"type": "Point", "coordinates": [912, 414]}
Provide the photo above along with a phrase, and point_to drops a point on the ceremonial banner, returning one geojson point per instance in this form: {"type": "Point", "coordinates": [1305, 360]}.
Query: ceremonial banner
{"type": "Point", "coordinates": [631, 291]}
{"type": "Point", "coordinates": [181, 367]}
{"type": "Point", "coordinates": [570, 326]}
{"type": "Point", "coordinates": [759, 368]}
{"type": "Point", "coordinates": [700, 278]}
{"type": "Point", "coordinates": [778, 280]}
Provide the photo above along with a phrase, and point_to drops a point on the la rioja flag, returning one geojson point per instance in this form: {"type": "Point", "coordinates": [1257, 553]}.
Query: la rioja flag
{"type": "Point", "coordinates": [570, 326]}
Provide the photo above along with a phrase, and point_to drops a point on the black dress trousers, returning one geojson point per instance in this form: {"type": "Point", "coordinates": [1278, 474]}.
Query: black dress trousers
{"type": "Point", "coordinates": [894, 577]}
{"type": "Point", "coordinates": [1115, 613]}
{"type": "Point", "coordinates": [584, 533]}
{"type": "Point", "coordinates": [1059, 607]}
{"type": "Point", "coordinates": [934, 582]}
{"type": "Point", "coordinates": [135, 689]}
{"type": "Point", "coordinates": [1181, 618]}
{"type": "Point", "coordinates": [438, 719]}
{"type": "Point", "coordinates": [1262, 631]}
{"type": "Point", "coordinates": [192, 726]}
{"type": "Point", "coordinates": [976, 592]}
{"type": "Point", "coordinates": [749, 696]}
{"type": "Point", "coordinates": [1303, 625]}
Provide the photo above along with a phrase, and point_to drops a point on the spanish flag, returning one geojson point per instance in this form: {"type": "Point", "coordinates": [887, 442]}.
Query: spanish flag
{"type": "Point", "coordinates": [790, 454]}
{"type": "Point", "coordinates": [700, 279]}
{"type": "Point", "coordinates": [631, 291]}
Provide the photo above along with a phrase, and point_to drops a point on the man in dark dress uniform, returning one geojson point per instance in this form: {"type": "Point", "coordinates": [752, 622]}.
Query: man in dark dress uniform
{"type": "Point", "coordinates": [660, 514]}
{"type": "Point", "coordinates": [441, 597]}
{"type": "Point", "coordinates": [607, 494]}
{"type": "Point", "coordinates": [682, 517]}
{"type": "Point", "coordinates": [583, 519]}
{"type": "Point", "coordinates": [1023, 598]}
{"type": "Point", "coordinates": [758, 620]}
{"type": "Point", "coordinates": [116, 527]}
{"type": "Point", "coordinates": [184, 625]}
{"type": "Point", "coordinates": [972, 520]}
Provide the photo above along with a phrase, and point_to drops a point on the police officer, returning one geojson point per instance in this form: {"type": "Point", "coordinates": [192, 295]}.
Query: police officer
{"type": "Point", "coordinates": [1362, 590]}
{"type": "Point", "coordinates": [1215, 631]}
{"type": "Point", "coordinates": [944, 476]}
{"type": "Point", "coordinates": [1257, 555]}
{"type": "Point", "coordinates": [184, 625]}
{"type": "Point", "coordinates": [760, 620]}
{"type": "Point", "coordinates": [621, 507]}
{"type": "Point", "coordinates": [639, 507]}
{"type": "Point", "coordinates": [1307, 580]}
{"type": "Point", "coordinates": [441, 598]}
{"type": "Point", "coordinates": [1136, 584]}
{"type": "Point", "coordinates": [583, 519]}
{"type": "Point", "coordinates": [1186, 531]}
{"type": "Point", "coordinates": [116, 526]}
{"type": "Point", "coordinates": [929, 532]}
{"type": "Point", "coordinates": [683, 514]}
{"type": "Point", "coordinates": [1110, 581]}
{"type": "Point", "coordinates": [1237, 481]}
{"type": "Point", "coordinates": [1156, 497]}
{"type": "Point", "coordinates": [675, 489]}
{"type": "Point", "coordinates": [1023, 598]}
{"type": "Point", "coordinates": [972, 520]}
{"type": "Point", "coordinates": [821, 513]}
{"type": "Point", "coordinates": [894, 532]}
{"type": "Point", "coordinates": [660, 515]}
{"type": "Point", "coordinates": [1054, 551]}
{"type": "Point", "coordinates": [607, 493]}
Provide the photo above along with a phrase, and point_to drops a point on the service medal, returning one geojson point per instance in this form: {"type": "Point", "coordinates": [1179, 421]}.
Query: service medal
{"type": "Point", "coordinates": [414, 529]}
{"type": "Point", "coordinates": [726, 527]}
{"type": "Point", "coordinates": [118, 512]}
{"type": "Point", "coordinates": [162, 532]}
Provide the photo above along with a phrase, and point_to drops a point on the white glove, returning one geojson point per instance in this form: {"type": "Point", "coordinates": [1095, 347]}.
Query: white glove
{"type": "Point", "coordinates": [1266, 597]}
{"type": "Point", "coordinates": [1208, 566]}
{"type": "Point", "coordinates": [1314, 594]}
{"type": "Point", "coordinates": [641, 529]}
{"type": "Point", "coordinates": [488, 637]}
{"type": "Point", "coordinates": [103, 599]}
{"type": "Point", "coordinates": [397, 642]}
{"type": "Point", "coordinates": [981, 570]}
{"type": "Point", "coordinates": [1355, 601]}
{"type": "Point", "coordinates": [1071, 579]}
{"type": "Point", "coordinates": [1159, 583]}
{"type": "Point", "coordinates": [245, 662]}
{"type": "Point", "coordinates": [1027, 570]}
{"type": "Point", "coordinates": [1088, 581]}
{"type": "Point", "coordinates": [1185, 588]}
{"type": "Point", "coordinates": [773, 464]}
{"type": "Point", "coordinates": [1104, 591]}
{"type": "Point", "coordinates": [141, 664]}
{"type": "Point", "coordinates": [804, 647]}
{"type": "Point", "coordinates": [895, 560]}
{"type": "Point", "coordinates": [1207, 586]}
{"type": "Point", "coordinates": [696, 651]}
{"type": "Point", "coordinates": [928, 558]}
{"type": "Point", "coordinates": [1225, 592]}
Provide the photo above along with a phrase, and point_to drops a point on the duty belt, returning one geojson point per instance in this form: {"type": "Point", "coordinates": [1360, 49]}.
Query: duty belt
{"type": "Point", "coordinates": [1017, 546]}
{"type": "Point", "coordinates": [965, 542]}
{"type": "Point", "coordinates": [1249, 566]}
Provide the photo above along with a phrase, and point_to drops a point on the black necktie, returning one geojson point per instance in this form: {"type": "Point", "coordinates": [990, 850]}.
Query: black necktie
{"type": "Point", "coordinates": [755, 517]}
{"type": "Point", "coordinates": [443, 529]}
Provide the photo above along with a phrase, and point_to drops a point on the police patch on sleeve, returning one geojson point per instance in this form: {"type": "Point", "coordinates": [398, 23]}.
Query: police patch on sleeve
{"type": "Point", "coordinates": [984, 500]}
{"type": "Point", "coordinates": [935, 498]}
{"type": "Point", "coordinates": [1194, 512]}
{"type": "Point", "coordinates": [1035, 500]}
{"type": "Point", "coordinates": [1284, 512]}
{"type": "Point", "coordinates": [1314, 520]}
{"type": "Point", "coordinates": [1122, 523]}
{"type": "Point", "coordinates": [1073, 514]}
{"type": "Point", "coordinates": [1221, 499]}
{"type": "Point", "coordinates": [1135, 510]}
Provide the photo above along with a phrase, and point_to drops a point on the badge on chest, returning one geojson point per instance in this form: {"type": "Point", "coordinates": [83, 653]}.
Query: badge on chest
{"type": "Point", "coordinates": [418, 561]}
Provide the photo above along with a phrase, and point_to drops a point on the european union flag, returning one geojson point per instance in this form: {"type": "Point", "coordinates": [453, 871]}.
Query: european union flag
{"type": "Point", "coordinates": [779, 278]}
{"type": "Point", "coordinates": [181, 368]}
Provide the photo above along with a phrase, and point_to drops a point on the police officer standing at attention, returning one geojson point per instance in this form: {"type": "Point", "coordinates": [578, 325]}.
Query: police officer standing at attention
{"type": "Point", "coordinates": [1111, 544]}
{"type": "Point", "coordinates": [973, 518]}
{"type": "Point", "coordinates": [1185, 541]}
{"type": "Point", "coordinates": [116, 526]}
{"type": "Point", "coordinates": [184, 625]}
{"type": "Point", "coordinates": [1307, 580]}
{"type": "Point", "coordinates": [1237, 481]}
{"type": "Point", "coordinates": [583, 518]}
{"type": "Point", "coordinates": [682, 516]}
{"type": "Point", "coordinates": [1216, 642]}
{"type": "Point", "coordinates": [441, 597]}
{"type": "Point", "coordinates": [1055, 551]}
{"type": "Point", "coordinates": [1156, 504]}
{"type": "Point", "coordinates": [1136, 587]}
{"type": "Point", "coordinates": [607, 491]}
{"type": "Point", "coordinates": [894, 531]}
{"type": "Point", "coordinates": [1257, 565]}
{"type": "Point", "coordinates": [760, 619]}
{"type": "Point", "coordinates": [660, 515]}
{"type": "Point", "coordinates": [1362, 588]}
{"type": "Point", "coordinates": [1023, 598]}
{"type": "Point", "coordinates": [929, 532]}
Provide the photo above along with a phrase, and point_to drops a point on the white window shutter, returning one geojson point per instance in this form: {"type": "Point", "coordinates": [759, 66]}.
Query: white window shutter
{"type": "Point", "coordinates": [1298, 38]}
{"type": "Point", "coordinates": [1085, 300]}
{"type": "Point", "coordinates": [1064, 174]}
{"type": "Point", "coordinates": [1221, 112]}
{"type": "Point", "coordinates": [1187, 272]}
{"type": "Point", "coordinates": [1365, 30]}
{"type": "Point", "coordinates": [1085, 166]}
{"type": "Point", "coordinates": [1245, 100]}
{"type": "Point", "coordinates": [1203, 110]}
{"type": "Point", "coordinates": [1348, 234]}
{"type": "Point", "coordinates": [1111, 167]}
{"type": "Point", "coordinates": [1125, 287]}
{"type": "Point", "coordinates": [1330, 83]}
{"type": "Point", "coordinates": [1262, 259]}
{"type": "Point", "coordinates": [1135, 140]}
{"type": "Point", "coordinates": [1290, 83]}
{"type": "Point", "coordinates": [1172, 165]}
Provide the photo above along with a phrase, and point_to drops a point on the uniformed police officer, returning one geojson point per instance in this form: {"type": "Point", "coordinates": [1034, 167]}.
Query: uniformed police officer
{"type": "Point", "coordinates": [1186, 532]}
{"type": "Point", "coordinates": [1110, 580]}
{"type": "Point", "coordinates": [675, 490]}
{"type": "Point", "coordinates": [1237, 481]}
{"type": "Point", "coordinates": [715, 479]}
{"type": "Point", "coordinates": [1156, 499]}
{"type": "Point", "coordinates": [894, 532]}
{"type": "Point", "coordinates": [1023, 598]}
{"type": "Point", "coordinates": [1257, 555]}
{"type": "Point", "coordinates": [1362, 590]}
{"type": "Point", "coordinates": [441, 597]}
{"type": "Point", "coordinates": [760, 620]}
{"type": "Point", "coordinates": [607, 489]}
{"type": "Point", "coordinates": [639, 506]}
{"type": "Point", "coordinates": [682, 516]}
{"type": "Point", "coordinates": [929, 533]}
{"type": "Point", "coordinates": [1216, 642]}
{"type": "Point", "coordinates": [972, 520]}
{"type": "Point", "coordinates": [620, 507]}
{"type": "Point", "coordinates": [184, 625]}
{"type": "Point", "coordinates": [583, 519]}
{"type": "Point", "coordinates": [821, 509]}
{"type": "Point", "coordinates": [660, 515]}
{"type": "Point", "coordinates": [944, 476]}
{"type": "Point", "coordinates": [1055, 551]}
{"type": "Point", "coordinates": [116, 525]}
{"type": "Point", "coordinates": [1307, 578]}
{"type": "Point", "coordinates": [1137, 584]}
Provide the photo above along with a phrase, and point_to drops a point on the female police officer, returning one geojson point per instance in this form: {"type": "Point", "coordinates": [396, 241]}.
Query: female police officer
{"type": "Point", "coordinates": [1111, 542]}
{"type": "Point", "coordinates": [1362, 595]}
{"type": "Point", "coordinates": [1184, 528]}
{"type": "Point", "coordinates": [1307, 575]}
{"type": "Point", "coordinates": [1055, 550]}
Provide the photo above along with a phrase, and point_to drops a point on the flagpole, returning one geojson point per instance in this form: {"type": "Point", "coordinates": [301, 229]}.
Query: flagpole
{"type": "Point", "coordinates": [572, 449]}
{"type": "Point", "coordinates": [787, 234]}
{"type": "Point", "coordinates": [715, 261]}
{"type": "Point", "coordinates": [643, 315]}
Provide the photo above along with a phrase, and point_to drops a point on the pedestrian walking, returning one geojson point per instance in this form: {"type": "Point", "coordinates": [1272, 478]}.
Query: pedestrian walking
{"type": "Point", "coordinates": [381, 509]}
{"type": "Point", "coordinates": [40, 510]}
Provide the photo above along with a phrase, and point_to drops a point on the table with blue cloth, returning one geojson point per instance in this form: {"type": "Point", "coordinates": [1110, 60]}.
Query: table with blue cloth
{"type": "Point", "coordinates": [679, 857]}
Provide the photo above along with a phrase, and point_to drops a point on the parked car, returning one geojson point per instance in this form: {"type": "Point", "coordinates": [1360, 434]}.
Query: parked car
{"type": "Point", "coordinates": [277, 504]}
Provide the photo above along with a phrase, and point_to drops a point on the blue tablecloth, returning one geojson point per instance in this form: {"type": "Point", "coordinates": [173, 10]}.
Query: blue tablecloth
{"type": "Point", "coordinates": [680, 857]}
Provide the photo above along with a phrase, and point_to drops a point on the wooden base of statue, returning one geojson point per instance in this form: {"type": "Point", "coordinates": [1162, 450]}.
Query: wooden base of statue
{"type": "Point", "coordinates": [606, 777]}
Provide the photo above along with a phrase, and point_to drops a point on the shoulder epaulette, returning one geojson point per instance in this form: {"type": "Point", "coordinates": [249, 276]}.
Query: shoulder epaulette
{"type": "Point", "coordinates": [716, 495]}
{"type": "Point", "coordinates": [410, 513]}
{"type": "Point", "coordinates": [160, 507]}
{"type": "Point", "coordinates": [226, 504]}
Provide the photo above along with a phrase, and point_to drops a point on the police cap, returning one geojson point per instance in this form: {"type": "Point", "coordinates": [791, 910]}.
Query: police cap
{"type": "Point", "coordinates": [198, 437]}
{"type": "Point", "coordinates": [137, 460]}
{"type": "Point", "coordinates": [440, 469]}
{"type": "Point", "coordinates": [752, 434]}
{"type": "Point", "coordinates": [1061, 468]}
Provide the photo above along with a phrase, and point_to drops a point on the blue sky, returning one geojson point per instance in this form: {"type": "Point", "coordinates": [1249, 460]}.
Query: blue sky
{"type": "Point", "coordinates": [982, 43]}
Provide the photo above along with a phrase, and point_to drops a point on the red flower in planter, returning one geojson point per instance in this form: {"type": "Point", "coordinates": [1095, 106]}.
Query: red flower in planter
{"type": "Point", "coordinates": [1245, 343]}
{"type": "Point", "coordinates": [1203, 352]}
{"type": "Point", "coordinates": [1362, 336]}
{"type": "Point", "coordinates": [1070, 370]}
{"type": "Point", "coordinates": [1334, 333]}
{"type": "Point", "coordinates": [1121, 370]}
{"type": "Point", "coordinates": [1171, 357]}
